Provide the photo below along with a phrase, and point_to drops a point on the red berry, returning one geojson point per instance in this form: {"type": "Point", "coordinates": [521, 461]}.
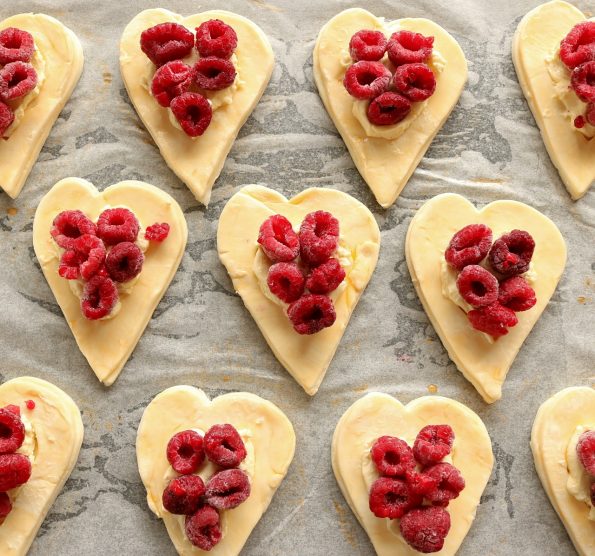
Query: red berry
{"type": "Point", "coordinates": [366, 80]}
{"type": "Point", "coordinates": [5, 506]}
{"type": "Point", "coordinates": [590, 114]}
{"type": "Point", "coordinates": [215, 38]}
{"type": "Point", "coordinates": [579, 122]}
{"type": "Point", "coordinates": [100, 296]}
{"type": "Point", "coordinates": [91, 252]}
{"type": "Point", "coordinates": [286, 281]}
{"type": "Point", "coordinates": [15, 470]}
{"type": "Point", "coordinates": [228, 489]}
{"type": "Point", "coordinates": [415, 81]}
{"type": "Point", "coordinates": [278, 240]}
{"type": "Point", "coordinates": [424, 529]}
{"type": "Point", "coordinates": [116, 225]}
{"type": "Point", "coordinates": [407, 47]}
{"type": "Point", "coordinates": [326, 277]}
{"type": "Point", "coordinates": [388, 109]}
{"type": "Point", "coordinates": [433, 443]}
{"type": "Point", "coordinates": [319, 237]}
{"type": "Point", "coordinates": [585, 449]}
{"type": "Point", "coordinates": [6, 116]}
{"type": "Point", "coordinates": [224, 446]}
{"type": "Point", "coordinates": [16, 45]}
{"type": "Point", "coordinates": [450, 483]}
{"type": "Point", "coordinates": [183, 495]}
{"type": "Point", "coordinates": [19, 79]}
{"type": "Point", "coordinates": [12, 431]}
{"type": "Point", "coordinates": [30, 405]}
{"type": "Point", "coordinates": [157, 232]}
{"type": "Point", "coordinates": [468, 246]}
{"type": "Point", "coordinates": [392, 498]}
{"type": "Point", "coordinates": [124, 262]}
{"type": "Point", "coordinates": [367, 45]}
{"type": "Point", "coordinates": [421, 483]}
{"type": "Point", "coordinates": [578, 46]}
{"type": "Point", "coordinates": [511, 254]}
{"type": "Point", "coordinates": [166, 42]}
{"type": "Point", "coordinates": [516, 294]}
{"type": "Point", "coordinates": [593, 494]}
{"type": "Point", "coordinates": [69, 225]}
{"type": "Point", "coordinates": [170, 80]}
{"type": "Point", "coordinates": [14, 409]}
{"type": "Point", "coordinates": [477, 286]}
{"type": "Point", "coordinates": [69, 267]}
{"type": "Point", "coordinates": [203, 528]}
{"type": "Point", "coordinates": [582, 80]}
{"type": "Point", "coordinates": [492, 319]}
{"type": "Point", "coordinates": [185, 451]}
{"type": "Point", "coordinates": [213, 74]}
{"type": "Point", "coordinates": [311, 313]}
{"type": "Point", "coordinates": [392, 456]}
{"type": "Point", "coordinates": [193, 112]}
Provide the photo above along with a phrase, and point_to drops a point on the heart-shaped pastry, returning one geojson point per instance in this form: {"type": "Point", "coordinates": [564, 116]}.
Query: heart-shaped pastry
{"type": "Point", "coordinates": [386, 164]}
{"type": "Point", "coordinates": [58, 61]}
{"type": "Point", "coordinates": [306, 357]}
{"type": "Point", "coordinates": [377, 415]}
{"type": "Point", "coordinates": [268, 438]}
{"type": "Point", "coordinates": [108, 343]}
{"type": "Point", "coordinates": [484, 363]}
{"type": "Point", "coordinates": [546, 85]}
{"type": "Point", "coordinates": [197, 161]}
{"type": "Point", "coordinates": [53, 438]}
{"type": "Point", "coordinates": [553, 440]}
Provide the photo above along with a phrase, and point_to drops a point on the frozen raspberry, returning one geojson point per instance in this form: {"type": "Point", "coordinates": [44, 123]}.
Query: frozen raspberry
{"type": "Point", "coordinates": [185, 452]}
{"type": "Point", "coordinates": [183, 495]}
{"type": "Point", "coordinates": [326, 277]}
{"type": "Point", "coordinates": [477, 286]}
{"type": "Point", "coordinates": [166, 42]}
{"type": "Point", "coordinates": [589, 115]}
{"type": "Point", "coordinates": [213, 74]}
{"type": "Point", "coordinates": [278, 240]}
{"type": "Point", "coordinates": [424, 529]}
{"type": "Point", "coordinates": [215, 38]}
{"type": "Point", "coordinates": [311, 313]}
{"type": "Point", "coordinates": [14, 409]}
{"type": "Point", "coordinates": [421, 483]}
{"type": "Point", "coordinates": [585, 449]}
{"type": "Point", "coordinates": [367, 45]}
{"type": "Point", "coordinates": [450, 483]}
{"type": "Point", "coordinates": [203, 528]}
{"type": "Point", "coordinates": [392, 498]}
{"type": "Point", "coordinates": [415, 81]}
{"type": "Point", "coordinates": [392, 456]}
{"type": "Point", "coordinates": [193, 112]}
{"type": "Point", "coordinates": [388, 109]}
{"type": "Point", "coordinates": [578, 46]}
{"type": "Point", "coordinates": [100, 296]}
{"type": "Point", "coordinates": [319, 237]}
{"type": "Point", "coordinates": [157, 232]}
{"type": "Point", "coordinates": [15, 470]}
{"type": "Point", "coordinates": [224, 446]}
{"type": "Point", "coordinates": [19, 79]}
{"type": "Point", "coordinates": [5, 506]}
{"type": "Point", "coordinates": [407, 47]}
{"type": "Point", "coordinates": [16, 45]}
{"type": "Point", "coordinates": [30, 405]}
{"type": "Point", "coordinates": [582, 80]}
{"type": "Point", "coordinates": [12, 431]}
{"type": "Point", "coordinates": [286, 281]}
{"type": "Point", "coordinates": [91, 252]}
{"type": "Point", "coordinates": [579, 122]}
{"type": "Point", "coordinates": [170, 80]}
{"type": "Point", "coordinates": [6, 116]}
{"type": "Point", "coordinates": [516, 294]}
{"type": "Point", "coordinates": [511, 254]}
{"type": "Point", "coordinates": [69, 264]}
{"type": "Point", "coordinates": [433, 443]}
{"type": "Point", "coordinates": [116, 225]}
{"type": "Point", "coordinates": [69, 225]}
{"type": "Point", "coordinates": [492, 319]}
{"type": "Point", "coordinates": [470, 245]}
{"type": "Point", "coordinates": [124, 262]}
{"type": "Point", "coordinates": [366, 80]}
{"type": "Point", "coordinates": [228, 489]}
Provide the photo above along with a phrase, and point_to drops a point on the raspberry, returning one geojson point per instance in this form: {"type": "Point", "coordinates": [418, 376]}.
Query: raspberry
{"type": "Point", "coordinates": [228, 489]}
{"type": "Point", "coordinates": [585, 449]}
{"type": "Point", "coordinates": [19, 79]}
{"type": "Point", "coordinates": [590, 114]}
{"type": "Point", "coordinates": [365, 80]}
{"type": "Point", "coordinates": [91, 252]}
{"type": "Point", "coordinates": [124, 262]}
{"type": "Point", "coordinates": [392, 498]}
{"type": "Point", "coordinates": [424, 529]}
{"type": "Point", "coordinates": [477, 286]}
{"type": "Point", "coordinates": [213, 74]}
{"type": "Point", "coordinates": [579, 122]}
{"type": "Point", "coordinates": [193, 112]}
{"type": "Point", "coordinates": [170, 80]}
{"type": "Point", "coordinates": [166, 42]}
{"type": "Point", "coordinates": [16, 45]}
{"type": "Point", "coordinates": [582, 80]}
{"type": "Point", "coordinates": [278, 240]}
{"type": "Point", "coordinates": [319, 237]}
{"type": "Point", "coordinates": [116, 225]}
{"type": "Point", "coordinates": [215, 38]}
{"type": "Point", "coordinates": [185, 451]}
{"type": "Point", "coordinates": [30, 405]}
{"type": "Point", "coordinates": [593, 494]}
{"type": "Point", "coordinates": [100, 296]}
{"type": "Point", "coordinates": [415, 81]}
{"type": "Point", "coordinates": [450, 483]}
{"type": "Point", "coordinates": [224, 446]}
{"type": "Point", "coordinates": [511, 254]}
{"type": "Point", "coordinates": [14, 409]}
{"type": "Point", "coordinates": [286, 281]}
{"type": "Point", "coordinates": [388, 109]}
{"type": "Point", "coordinates": [392, 456]}
{"type": "Point", "coordinates": [311, 313]}
{"type": "Point", "coordinates": [69, 225]}
{"type": "Point", "coordinates": [326, 277]}
{"type": "Point", "coordinates": [69, 264]}
{"type": "Point", "coordinates": [6, 116]}
{"type": "Point", "coordinates": [469, 245]}
{"type": "Point", "coordinates": [15, 470]}
{"type": "Point", "coordinates": [367, 45]}
{"type": "Point", "coordinates": [578, 46]}
{"type": "Point", "coordinates": [157, 232]}
{"type": "Point", "coordinates": [421, 483]}
{"type": "Point", "coordinates": [12, 431]}
{"type": "Point", "coordinates": [183, 495]}
{"type": "Point", "coordinates": [203, 528]}
{"type": "Point", "coordinates": [516, 294]}
{"type": "Point", "coordinates": [5, 506]}
{"type": "Point", "coordinates": [407, 47]}
{"type": "Point", "coordinates": [433, 443]}
{"type": "Point", "coordinates": [492, 319]}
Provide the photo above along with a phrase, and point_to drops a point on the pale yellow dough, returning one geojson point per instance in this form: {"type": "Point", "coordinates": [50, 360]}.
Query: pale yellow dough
{"type": "Point", "coordinates": [386, 165]}
{"type": "Point", "coordinates": [270, 442]}
{"type": "Point", "coordinates": [306, 358]}
{"type": "Point", "coordinates": [484, 364]}
{"type": "Point", "coordinates": [197, 161]}
{"type": "Point", "coordinates": [62, 55]}
{"type": "Point", "coordinates": [57, 434]}
{"type": "Point", "coordinates": [107, 344]}
{"type": "Point", "coordinates": [377, 415]}
{"type": "Point", "coordinates": [537, 37]}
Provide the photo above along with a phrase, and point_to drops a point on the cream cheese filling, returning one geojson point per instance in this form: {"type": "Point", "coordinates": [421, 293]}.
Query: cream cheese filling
{"type": "Point", "coordinates": [579, 481]}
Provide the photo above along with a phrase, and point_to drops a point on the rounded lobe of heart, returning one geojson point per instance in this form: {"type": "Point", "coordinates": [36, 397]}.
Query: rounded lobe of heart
{"type": "Point", "coordinates": [386, 165]}
{"type": "Point", "coordinates": [538, 35]}
{"type": "Point", "coordinates": [377, 415]}
{"type": "Point", "coordinates": [483, 363]}
{"type": "Point", "coordinates": [554, 426]}
{"type": "Point", "coordinates": [63, 56]}
{"type": "Point", "coordinates": [197, 162]}
{"type": "Point", "coordinates": [185, 407]}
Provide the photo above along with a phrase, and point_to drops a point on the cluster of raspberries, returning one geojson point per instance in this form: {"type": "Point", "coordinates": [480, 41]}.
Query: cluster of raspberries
{"type": "Point", "coordinates": [317, 271]}
{"type": "Point", "coordinates": [495, 296]}
{"type": "Point", "coordinates": [17, 76]}
{"type": "Point", "coordinates": [577, 51]}
{"type": "Point", "coordinates": [189, 496]}
{"type": "Point", "coordinates": [585, 450]}
{"type": "Point", "coordinates": [390, 92]}
{"type": "Point", "coordinates": [101, 254]}
{"type": "Point", "coordinates": [415, 485]}
{"type": "Point", "coordinates": [175, 84]}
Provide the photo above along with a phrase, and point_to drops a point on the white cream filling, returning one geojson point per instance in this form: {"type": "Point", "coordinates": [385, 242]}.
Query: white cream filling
{"type": "Point", "coordinates": [579, 481]}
